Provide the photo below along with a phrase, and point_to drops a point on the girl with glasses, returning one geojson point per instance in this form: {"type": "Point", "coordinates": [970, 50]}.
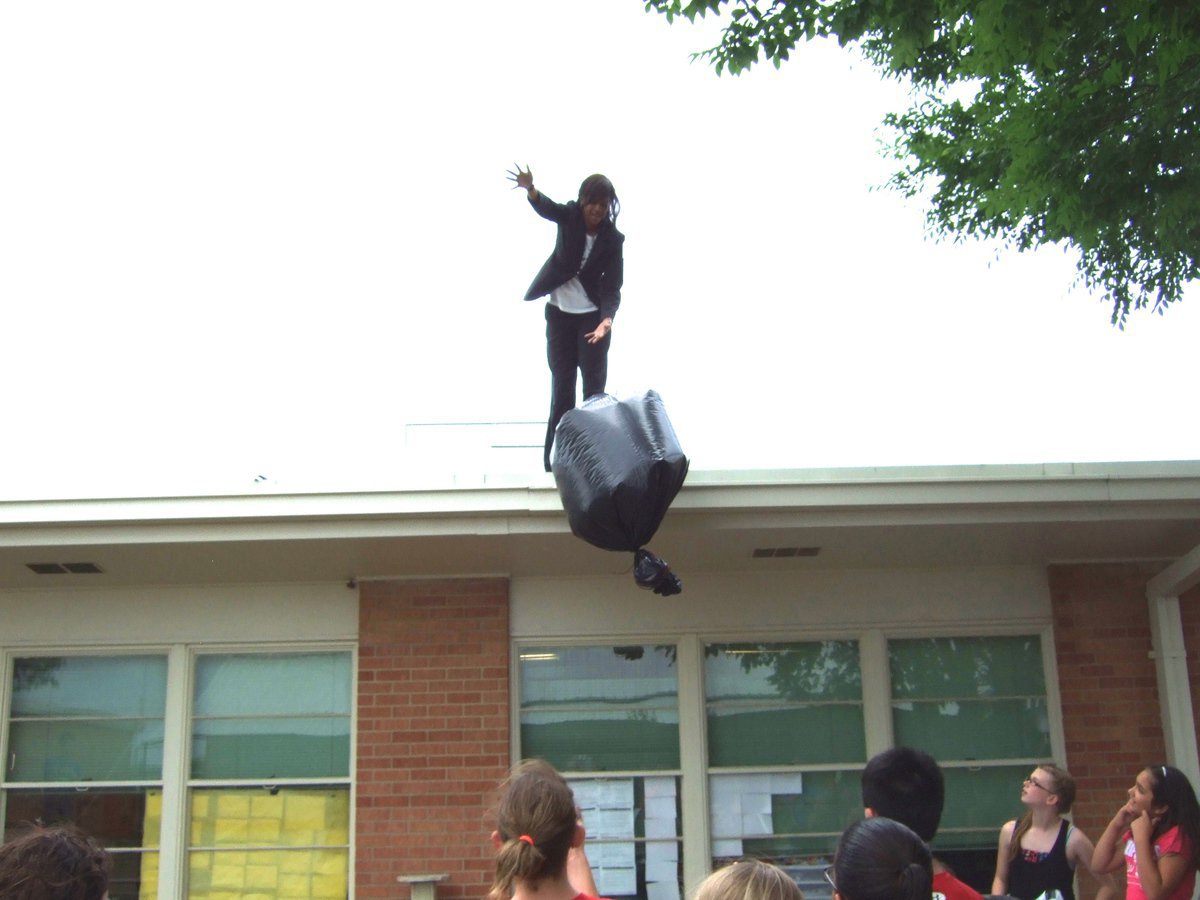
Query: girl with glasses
{"type": "Point", "coordinates": [1039, 853]}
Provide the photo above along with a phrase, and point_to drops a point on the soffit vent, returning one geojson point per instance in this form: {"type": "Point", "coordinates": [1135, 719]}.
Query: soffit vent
{"type": "Point", "coordinates": [784, 552]}
{"type": "Point", "coordinates": [71, 568]}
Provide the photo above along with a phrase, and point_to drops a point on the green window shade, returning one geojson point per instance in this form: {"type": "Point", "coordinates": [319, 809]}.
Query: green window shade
{"type": "Point", "coordinates": [784, 704]}
{"type": "Point", "coordinates": [600, 708]}
{"type": "Point", "coordinates": [978, 801]}
{"type": "Point", "coordinates": [271, 748]}
{"type": "Point", "coordinates": [112, 750]}
{"type": "Point", "coordinates": [970, 698]}
{"type": "Point", "coordinates": [810, 735]}
{"type": "Point", "coordinates": [959, 729]}
{"type": "Point", "coordinates": [272, 716]}
{"type": "Point", "coordinates": [584, 741]}
{"type": "Point", "coordinates": [87, 718]}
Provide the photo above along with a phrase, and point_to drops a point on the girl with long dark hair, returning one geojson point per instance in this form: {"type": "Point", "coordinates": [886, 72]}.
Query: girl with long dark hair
{"type": "Point", "coordinates": [1156, 836]}
{"type": "Point", "coordinates": [582, 280]}
{"type": "Point", "coordinates": [880, 859]}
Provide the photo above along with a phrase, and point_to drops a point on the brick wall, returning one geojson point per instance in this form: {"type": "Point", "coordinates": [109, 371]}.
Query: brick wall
{"type": "Point", "coordinates": [433, 732]}
{"type": "Point", "coordinates": [1111, 714]}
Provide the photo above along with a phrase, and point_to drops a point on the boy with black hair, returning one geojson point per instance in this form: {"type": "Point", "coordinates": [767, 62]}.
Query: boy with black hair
{"type": "Point", "coordinates": [906, 784]}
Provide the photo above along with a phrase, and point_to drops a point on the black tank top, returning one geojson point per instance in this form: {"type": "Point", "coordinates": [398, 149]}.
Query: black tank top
{"type": "Point", "coordinates": [1030, 877]}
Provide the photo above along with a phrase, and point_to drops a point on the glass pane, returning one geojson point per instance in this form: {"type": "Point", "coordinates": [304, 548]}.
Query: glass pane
{"type": "Point", "coordinates": [85, 750]}
{"type": "Point", "coordinates": [784, 704]}
{"type": "Point", "coordinates": [988, 729]}
{"type": "Point", "coordinates": [633, 827]}
{"type": "Point", "coordinates": [976, 800]}
{"type": "Point", "coordinates": [118, 819]}
{"type": "Point", "coordinates": [943, 668]}
{"type": "Point", "coordinates": [89, 687]}
{"type": "Point", "coordinates": [268, 874]}
{"type": "Point", "coordinates": [602, 741]}
{"type": "Point", "coordinates": [277, 817]}
{"type": "Point", "coordinates": [805, 814]}
{"type": "Point", "coordinates": [633, 676]}
{"type": "Point", "coordinates": [271, 748]}
{"type": "Point", "coordinates": [810, 735]}
{"type": "Point", "coordinates": [286, 684]}
{"type": "Point", "coordinates": [134, 876]}
{"type": "Point", "coordinates": [294, 820]}
{"type": "Point", "coordinates": [822, 670]}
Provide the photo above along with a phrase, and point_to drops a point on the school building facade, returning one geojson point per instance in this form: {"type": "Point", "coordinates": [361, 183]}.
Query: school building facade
{"type": "Point", "coordinates": [315, 695]}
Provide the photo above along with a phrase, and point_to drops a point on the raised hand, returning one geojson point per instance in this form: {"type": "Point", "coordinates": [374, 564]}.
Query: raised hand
{"type": "Point", "coordinates": [521, 179]}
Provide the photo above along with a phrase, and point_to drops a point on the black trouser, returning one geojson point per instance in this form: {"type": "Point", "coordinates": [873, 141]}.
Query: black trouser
{"type": "Point", "coordinates": [567, 351]}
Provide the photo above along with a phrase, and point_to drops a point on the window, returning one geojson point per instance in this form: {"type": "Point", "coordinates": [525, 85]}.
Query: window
{"type": "Point", "coordinates": [978, 705]}
{"type": "Point", "coordinates": [785, 743]}
{"type": "Point", "coordinates": [775, 734]}
{"type": "Point", "coordinates": [85, 745]}
{"type": "Point", "coordinates": [288, 833]}
{"type": "Point", "coordinates": [608, 719]}
{"type": "Point", "coordinates": [262, 805]}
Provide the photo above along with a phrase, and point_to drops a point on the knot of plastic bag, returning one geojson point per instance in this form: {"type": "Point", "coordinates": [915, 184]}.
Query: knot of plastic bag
{"type": "Point", "coordinates": [653, 573]}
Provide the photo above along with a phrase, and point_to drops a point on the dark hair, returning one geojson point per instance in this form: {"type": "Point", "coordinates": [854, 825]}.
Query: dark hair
{"type": "Point", "coordinates": [1064, 790]}
{"type": "Point", "coordinates": [882, 859]}
{"type": "Point", "coordinates": [906, 784]}
{"type": "Point", "coordinates": [60, 863]}
{"type": "Point", "coordinates": [1173, 791]}
{"type": "Point", "coordinates": [598, 188]}
{"type": "Point", "coordinates": [749, 879]}
{"type": "Point", "coordinates": [536, 818]}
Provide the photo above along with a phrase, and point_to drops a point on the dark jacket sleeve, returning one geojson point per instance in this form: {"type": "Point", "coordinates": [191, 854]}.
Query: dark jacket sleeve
{"type": "Point", "coordinates": [548, 209]}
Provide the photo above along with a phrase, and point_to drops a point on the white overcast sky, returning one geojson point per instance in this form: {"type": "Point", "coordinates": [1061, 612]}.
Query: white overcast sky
{"type": "Point", "coordinates": [260, 238]}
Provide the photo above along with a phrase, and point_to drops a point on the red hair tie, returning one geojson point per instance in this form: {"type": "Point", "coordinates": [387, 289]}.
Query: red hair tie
{"type": "Point", "coordinates": [527, 839]}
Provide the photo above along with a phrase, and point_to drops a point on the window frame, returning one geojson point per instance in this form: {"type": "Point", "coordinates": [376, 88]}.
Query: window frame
{"type": "Point", "coordinates": [176, 782]}
{"type": "Point", "coordinates": [695, 839]}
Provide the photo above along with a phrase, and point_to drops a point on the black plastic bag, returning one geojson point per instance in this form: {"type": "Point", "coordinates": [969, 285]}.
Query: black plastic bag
{"type": "Point", "coordinates": [618, 466]}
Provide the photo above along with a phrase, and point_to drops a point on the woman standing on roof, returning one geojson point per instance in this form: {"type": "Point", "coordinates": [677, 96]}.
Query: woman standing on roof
{"type": "Point", "coordinates": [582, 278]}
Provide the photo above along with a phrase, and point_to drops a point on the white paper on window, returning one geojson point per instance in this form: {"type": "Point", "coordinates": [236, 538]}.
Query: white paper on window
{"type": "Point", "coordinates": [607, 808]}
{"type": "Point", "coordinates": [741, 807]}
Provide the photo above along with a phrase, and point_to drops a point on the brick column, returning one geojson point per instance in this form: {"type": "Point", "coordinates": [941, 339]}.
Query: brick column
{"type": "Point", "coordinates": [433, 732]}
{"type": "Point", "coordinates": [1108, 685]}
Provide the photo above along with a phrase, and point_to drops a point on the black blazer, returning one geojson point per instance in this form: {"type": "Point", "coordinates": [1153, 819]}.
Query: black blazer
{"type": "Point", "coordinates": [604, 273]}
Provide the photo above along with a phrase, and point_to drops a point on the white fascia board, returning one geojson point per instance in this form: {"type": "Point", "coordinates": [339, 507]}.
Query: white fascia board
{"type": "Point", "coordinates": [979, 494]}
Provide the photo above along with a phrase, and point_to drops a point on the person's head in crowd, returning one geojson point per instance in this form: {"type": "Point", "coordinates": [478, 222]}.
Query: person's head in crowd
{"type": "Point", "coordinates": [881, 859]}
{"type": "Point", "coordinates": [905, 784]}
{"type": "Point", "coordinates": [59, 863]}
{"type": "Point", "coordinates": [1170, 801]}
{"type": "Point", "coordinates": [536, 827]}
{"type": "Point", "coordinates": [749, 879]}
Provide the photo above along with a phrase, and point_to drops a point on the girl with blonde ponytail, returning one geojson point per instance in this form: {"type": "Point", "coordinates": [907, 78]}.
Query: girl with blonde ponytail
{"type": "Point", "coordinates": [539, 839]}
{"type": "Point", "coordinates": [1039, 853]}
